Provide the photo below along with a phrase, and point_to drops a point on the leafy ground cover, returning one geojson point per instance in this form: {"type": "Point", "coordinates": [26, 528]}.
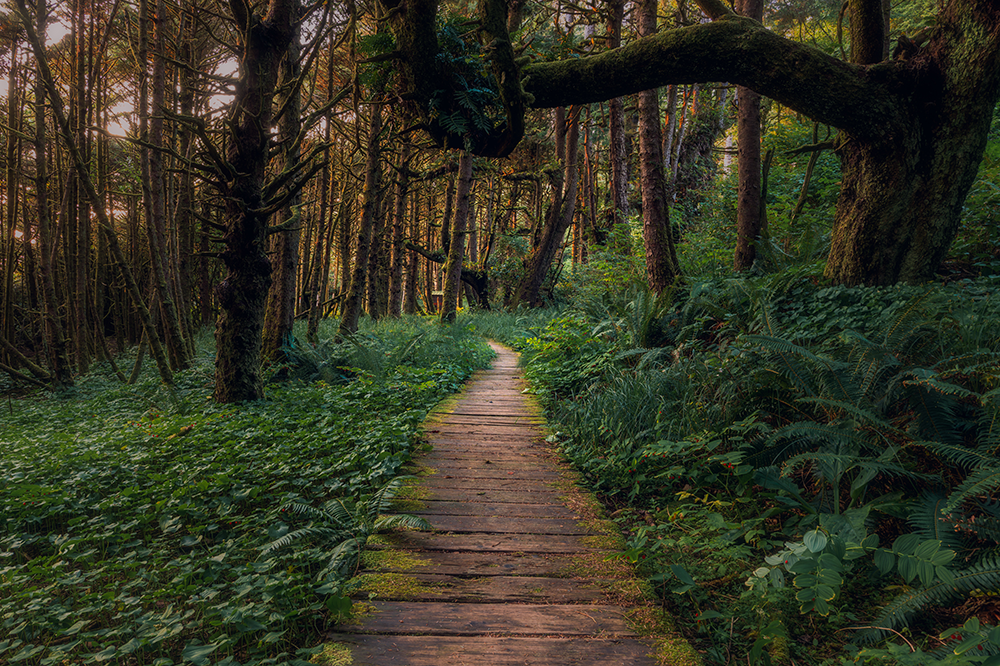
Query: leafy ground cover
{"type": "Point", "coordinates": [135, 520]}
{"type": "Point", "coordinates": [808, 474]}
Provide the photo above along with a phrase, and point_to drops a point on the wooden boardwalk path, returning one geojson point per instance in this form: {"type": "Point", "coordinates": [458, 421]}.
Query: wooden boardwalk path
{"type": "Point", "coordinates": [517, 569]}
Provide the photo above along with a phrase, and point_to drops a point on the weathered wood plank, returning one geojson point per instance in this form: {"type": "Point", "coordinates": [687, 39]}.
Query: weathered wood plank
{"type": "Point", "coordinates": [492, 472]}
{"type": "Point", "coordinates": [508, 483]}
{"type": "Point", "coordinates": [494, 651]}
{"type": "Point", "coordinates": [450, 619]}
{"type": "Point", "coordinates": [497, 543]}
{"type": "Point", "coordinates": [503, 524]}
{"type": "Point", "coordinates": [483, 564]}
{"type": "Point", "coordinates": [529, 496]}
{"type": "Point", "coordinates": [492, 589]}
{"type": "Point", "coordinates": [470, 507]}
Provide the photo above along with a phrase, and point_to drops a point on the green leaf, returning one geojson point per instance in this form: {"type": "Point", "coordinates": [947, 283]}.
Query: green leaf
{"type": "Point", "coordinates": [682, 575]}
{"type": "Point", "coordinates": [815, 541]}
{"type": "Point", "coordinates": [884, 560]}
{"type": "Point", "coordinates": [198, 654]}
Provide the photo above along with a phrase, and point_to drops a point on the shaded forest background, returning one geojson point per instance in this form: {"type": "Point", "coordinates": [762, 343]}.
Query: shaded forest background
{"type": "Point", "coordinates": [115, 199]}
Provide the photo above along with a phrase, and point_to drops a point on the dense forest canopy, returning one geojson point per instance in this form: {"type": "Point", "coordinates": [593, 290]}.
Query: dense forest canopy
{"type": "Point", "coordinates": [172, 165]}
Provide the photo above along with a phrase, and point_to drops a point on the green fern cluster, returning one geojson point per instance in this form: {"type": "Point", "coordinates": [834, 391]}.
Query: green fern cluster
{"type": "Point", "coordinates": [859, 413]}
{"type": "Point", "coordinates": [345, 526]}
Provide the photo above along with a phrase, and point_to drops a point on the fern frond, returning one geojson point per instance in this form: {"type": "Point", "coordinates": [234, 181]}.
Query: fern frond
{"type": "Point", "coordinates": [932, 380]}
{"type": "Point", "coordinates": [320, 514]}
{"type": "Point", "coordinates": [774, 454]}
{"type": "Point", "coordinates": [982, 481]}
{"type": "Point", "coordinates": [381, 501]}
{"type": "Point", "coordinates": [936, 413]}
{"type": "Point", "coordinates": [861, 414]}
{"type": "Point", "coordinates": [402, 521]}
{"type": "Point", "coordinates": [928, 520]}
{"type": "Point", "coordinates": [962, 456]}
{"type": "Point", "coordinates": [984, 575]}
{"type": "Point", "coordinates": [317, 533]}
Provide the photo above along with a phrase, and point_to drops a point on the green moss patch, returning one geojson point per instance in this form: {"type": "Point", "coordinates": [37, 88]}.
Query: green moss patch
{"type": "Point", "coordinates": [671, 649]}
{"type": "Point", "coordinates": [391, 559]}
{"type": "Point", "coordinates": [391, 586]}
{"type": "Point", "coordinates": [333, 654]}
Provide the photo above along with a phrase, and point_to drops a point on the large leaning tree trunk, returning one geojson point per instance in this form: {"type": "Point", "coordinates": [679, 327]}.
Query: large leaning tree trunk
{"type": "Point", "coordinates": [913, 127]}
{"type": "Point", "coordinates": [560, 213]}
{"type": "Point", "coordinates": [242, 293]}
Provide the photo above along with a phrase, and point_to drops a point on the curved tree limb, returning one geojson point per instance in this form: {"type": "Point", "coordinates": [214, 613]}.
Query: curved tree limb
{"type": "Point", "coordinates": [737, 50]}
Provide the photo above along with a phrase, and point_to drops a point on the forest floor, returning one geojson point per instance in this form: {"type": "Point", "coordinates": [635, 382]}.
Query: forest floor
{"type": "Point", "coordinates": [521, 567]}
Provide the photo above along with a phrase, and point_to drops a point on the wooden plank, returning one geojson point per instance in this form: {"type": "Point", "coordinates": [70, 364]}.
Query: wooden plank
{"type": "Point", "coordinates": [494, 589]}
{"type": "Point", "coordinates": [450, 619]}
{"type": "Point", "coordinates": [493, 473]}
{"type": "Point", "coordinates": [501, 456]}
{"type": "Point", "coordinates": [503, 524]}
{"type": "Point", "coordinates": [491, 430]}
{"type": "Point", "coordinates": [470, 507]}
{"type": "Point", "coordinates": [494, 651]}
{"type": "Point", "coordinates": [509, 483]}
{"type": "Point", "coordinates": [485, 564]}
{"type": "Point", "coordinates": [504, 420]}
{"type": "Point", "coordinates": [536, 495]}
{"type": "Point", "coordinates": [498, 543]}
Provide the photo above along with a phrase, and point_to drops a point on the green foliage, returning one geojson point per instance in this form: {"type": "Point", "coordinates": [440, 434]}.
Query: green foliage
{"type": "Point", "coordinates": [345, 524]}
{"type": "Point", "coordinates": [134, 519]}
{"type": "Point", "coordinates": [468, 103]}
{"type": "Point", "coordinates": [512, 328]}
{"type": "Point", "coordinates": [779, 428]}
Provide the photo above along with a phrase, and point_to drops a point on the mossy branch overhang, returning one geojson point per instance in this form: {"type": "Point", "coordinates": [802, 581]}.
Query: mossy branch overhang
{"type": "Point", "coordinates": [737, 50]}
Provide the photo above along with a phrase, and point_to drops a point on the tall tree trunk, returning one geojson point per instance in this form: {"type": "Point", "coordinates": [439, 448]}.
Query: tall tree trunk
{"type": "Point", "coordinates": [45, 76]}
{"type": "Point", "coordinates": [618, 151]}
{"type": "Point", "coordinates": [398, 222]}
{"type": "Point", "coordinates": [456, 253]}
{"type": "Point", "coordinates": [242, 293]}
{"type": "Point", "coordinates": [749, 206]}
{"type": "Point", "coordinates": [186, 230]}
{"type": "Point", "coordinates": [8, 243]}
{"type": "Point", "coordinates": [560, 215]}
{"type": "Point", "coordinates": [356, 292]}
{"type": "Point", "coordinates": [154, 183]}
{"type": "Point", "coordinates": [412, 260]}
{"type": "Point", "coordinates": [79, 215]}
{"type": "Point", "coordinates": [662, 268]}
{"type": "Point", "coordinates": [279, 313]}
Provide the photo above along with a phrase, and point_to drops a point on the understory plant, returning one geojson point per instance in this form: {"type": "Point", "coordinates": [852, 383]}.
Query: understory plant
{"type": "Point", "coordinates": [135, 520]}
{"type": "Point", "coordinates": [811, 454]}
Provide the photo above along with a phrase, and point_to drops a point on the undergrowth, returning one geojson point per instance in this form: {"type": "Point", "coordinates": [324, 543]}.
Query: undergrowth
{"type": "Point", "coordinates": [805, 472]}
{"type": "Point", "coordinates": [135, 520]}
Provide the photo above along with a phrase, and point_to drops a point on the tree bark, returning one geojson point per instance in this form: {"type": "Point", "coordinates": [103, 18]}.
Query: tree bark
{"type": "Point", "coordinates": [279, 311]}
{"type": "Point", "coordinates": [356, 292]}
{"type": "Point", "coordinates": [618, 155]}
{"type": "Point", "coordinates": [398, 222]}
{"type": "Point", "coordinates": [662, 269]}
{"type": "Point", "coordinates": [748, 201]}
{"type": "Point", "coordinates": [456, 252]}
{"type": "Point", "coordinates": [154, 183]}
{"type": "Point", "coordinates": [559, 218]}
{"type": "Point", "coordinates": [242, 293]}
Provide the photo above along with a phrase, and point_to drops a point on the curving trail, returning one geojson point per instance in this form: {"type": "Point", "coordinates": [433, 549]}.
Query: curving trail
{"type": "Point", "coordinates": [516, 571]}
